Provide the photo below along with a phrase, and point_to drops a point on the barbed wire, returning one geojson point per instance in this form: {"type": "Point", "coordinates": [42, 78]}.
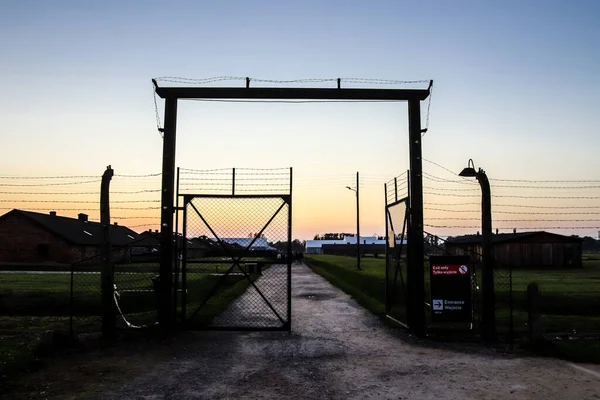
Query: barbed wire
{"type": "Point", "coordinates": [513, 205]}
{"type": "Point", "coordinates": [49, 177]}
{"type": "Point", "coordinates": [547, 181]}
{"type": "Point", "coordinates": [206, 184]}
{"type": "Point", "coordinates": [28, 177]}
{"type": "Point", "coordinates": [255, 190]}
{"type": "Point", "coordinates": [140, 225]}
{"type": "Point", "coordinates": [177, 79]}
{"type": "Point", "coordinates": [158, 127]}
{"type": "Point", "coordinates": [515, 196]}
{"type": "Point", "coordinates": [515, 227]}
{"type": "Point", "coordinates": [82, 193]}
{"type": "Point", "coordinates": [428, 109]}
{"type": "Point", "coordinates": [49, 184]}
{"type": "Point", "coordinates": [509, 220]}
{"type": "Point", "coordinates": [229, 179]}
{"type": "Point", "coordinates": [500, 179]}
{"type": "Point", "coordinates": [84, 209]}
{"type": "Point", "coordinates": [275, 101]}
{"type": "Point", "coordinates": [512, 212]}
{"type": "Point", "coordinates": [138, 176]}
{"type": "Point", "coordinates": [385, 81]}
{"type": "Point", "coordinates": [440, 166]}
{"type": "Point", "coordinates": [115, 217]}
{"type": "Point", "coordinates": [375, 81]}
{"type": "Point", "coordinates": [476, 190]}
{"type": "Point", "coordinates": [76, 201]}
{"type": "Point", "coordinates": [565, 187]}
{"type": "Point", "coordinates": [229, 171]}
{"type": "Point", "coordinates": [137, 217]}
{"type": "Point", "coordinates": [437, 179]}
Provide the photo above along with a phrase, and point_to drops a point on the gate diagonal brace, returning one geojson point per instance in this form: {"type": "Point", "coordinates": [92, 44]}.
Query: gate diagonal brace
{"type": "Point", "coordinates": [391, 221]}
{"type": "Point", "coordinates": [236, 262]}
{"type": "Point", "coordinates": [398, 269]}
{"type": "Point", "coordinates": [398, 266]}
{"type": "Point", "coordinates": [399, 255]}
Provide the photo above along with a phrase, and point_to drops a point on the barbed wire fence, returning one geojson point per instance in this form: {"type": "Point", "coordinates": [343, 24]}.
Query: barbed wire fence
{"type": "Point", "coordinates": [56, 282]}
{"type": "Point", "coordinates": [452, 206]}
{"type": "Point", "coordinates": [135, 204]}
{"type": "Point", "coordinates": [522, 204]}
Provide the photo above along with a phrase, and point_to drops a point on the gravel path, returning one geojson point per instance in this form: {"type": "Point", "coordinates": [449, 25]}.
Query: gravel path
{"type": "Point", "coordinates": [337, 350]}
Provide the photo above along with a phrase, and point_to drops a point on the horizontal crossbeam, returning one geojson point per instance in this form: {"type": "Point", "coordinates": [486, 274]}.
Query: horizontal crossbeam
{"type": "Point", "coordinates": [291, 93]}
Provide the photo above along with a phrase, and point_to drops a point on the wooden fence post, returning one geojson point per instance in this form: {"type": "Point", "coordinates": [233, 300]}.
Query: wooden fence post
{"type": "Point", "coordinates": [109, 316]}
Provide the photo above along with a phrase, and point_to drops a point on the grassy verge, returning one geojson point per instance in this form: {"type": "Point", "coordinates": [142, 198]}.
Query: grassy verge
{"type": "Point", "coordinates": [31, 304]}
{"type": "Point", "coordinates": [583, 351]}
{"type": "Point", "coordinates": [225, 294]}
{"type": "Point", "coordinates": [570, 298]}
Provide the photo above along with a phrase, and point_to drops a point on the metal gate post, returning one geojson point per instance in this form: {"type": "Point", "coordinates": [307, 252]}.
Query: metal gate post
{"type": "Point", "coordinates": [289, 259]}
{"type": "Point", "coordinates": [165, 311]}
{"type": "Point", "coordinates": [387, 243]}
{"type": "Point", "coordinates": [415, 274]}
{"type": "Point", "coordinates": [177, 250]}
{"type": "Point", "coordinates": [184, 263]}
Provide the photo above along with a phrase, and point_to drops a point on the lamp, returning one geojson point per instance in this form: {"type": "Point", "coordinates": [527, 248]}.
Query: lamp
{"type": "Point", "coordinates": [469, 171]}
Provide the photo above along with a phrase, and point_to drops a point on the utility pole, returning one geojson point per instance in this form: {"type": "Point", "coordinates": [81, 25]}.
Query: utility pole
{"type": "Point", "coordinates": [357, 223]}
{"type": "Point", "coordinates": [357, 220]}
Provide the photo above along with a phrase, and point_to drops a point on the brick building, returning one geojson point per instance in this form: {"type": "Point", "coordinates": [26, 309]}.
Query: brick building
{"type": "Point", "coordinates": [31, 237]}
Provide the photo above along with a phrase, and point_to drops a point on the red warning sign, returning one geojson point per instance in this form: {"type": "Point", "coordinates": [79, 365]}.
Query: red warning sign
{"type": "Point", "coordinates": [449, 269]}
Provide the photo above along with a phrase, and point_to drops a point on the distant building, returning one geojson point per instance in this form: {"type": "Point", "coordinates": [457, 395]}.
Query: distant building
{"type": "Point", "coordinates": [371, 244]}
{"type": "Point", "coordinates": [31, 237]}
{"type": "Point", "coordinates": [526, 249]}
{"type": "Point", "coordinates": [259, 244]}
{"type": "Point", "coordinates": [148, 249]}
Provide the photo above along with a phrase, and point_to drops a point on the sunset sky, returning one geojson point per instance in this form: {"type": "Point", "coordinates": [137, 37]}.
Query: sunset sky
{"type": "Point", "coordinates": [516, 88]}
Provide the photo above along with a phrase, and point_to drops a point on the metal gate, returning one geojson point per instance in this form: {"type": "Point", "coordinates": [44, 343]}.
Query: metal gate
{"type": "Point", "coordinates": [234, 258]}
{"type": "Point", "coordinates": [396, 294]}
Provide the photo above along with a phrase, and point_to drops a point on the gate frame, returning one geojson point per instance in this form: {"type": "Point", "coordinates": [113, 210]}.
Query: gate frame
{"type": "Point", "coordinates": [287, 200]}
{"type": "Point", "coordinates": [415, 253]}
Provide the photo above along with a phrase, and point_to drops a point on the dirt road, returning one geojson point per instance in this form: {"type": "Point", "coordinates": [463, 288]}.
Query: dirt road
{"type": "Point", "coordinates": [337, 351]}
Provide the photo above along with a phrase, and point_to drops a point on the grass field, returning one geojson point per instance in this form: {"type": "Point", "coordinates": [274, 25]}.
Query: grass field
{"type": "Point", "coordinates": [32, 303]}
{"type": "Point", "coordinates": [570, 298]}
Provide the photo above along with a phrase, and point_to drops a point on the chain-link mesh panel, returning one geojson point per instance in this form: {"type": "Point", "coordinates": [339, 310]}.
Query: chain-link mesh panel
{"type": "Point", "coordinates": [235, 264]}
{"type": "Point", "coordinates": [32, 302]}
{"type": "Point", "coordinates": [503, 297]}
{"type": "Point", "coordinates": [135, 294]}
{"type": "Point", "coordinates": [86, 298]}
{"type": "Point", "coordinates": [396, 265]}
